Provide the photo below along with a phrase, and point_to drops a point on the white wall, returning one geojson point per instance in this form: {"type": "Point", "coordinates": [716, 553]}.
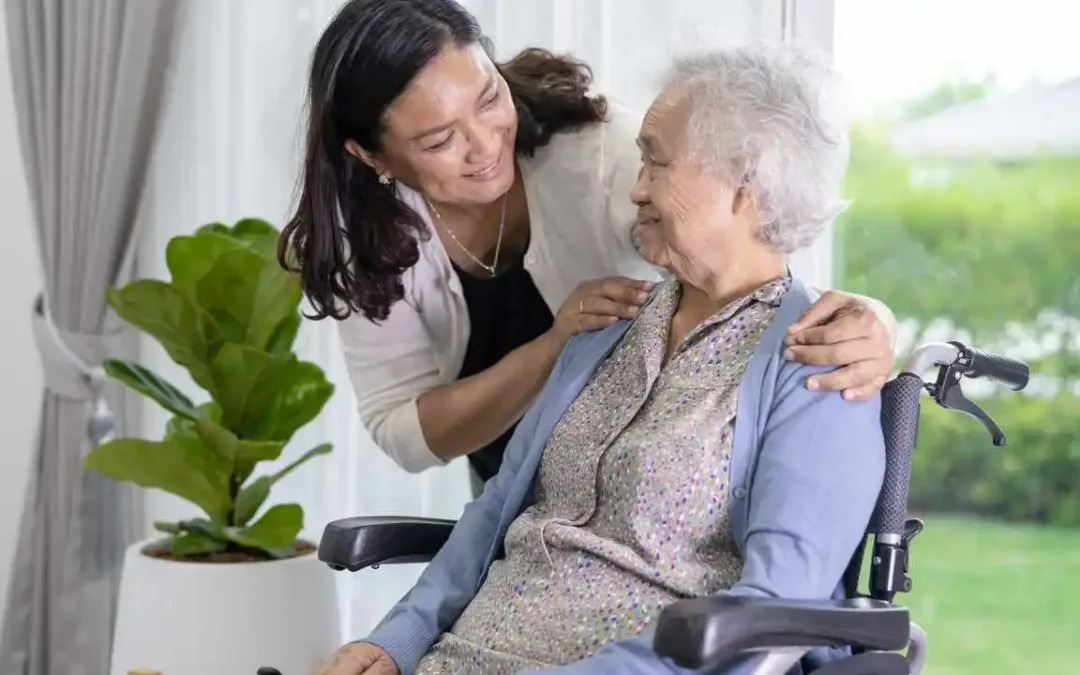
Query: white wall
{"type": "Point", "coordinates": [20, 372]}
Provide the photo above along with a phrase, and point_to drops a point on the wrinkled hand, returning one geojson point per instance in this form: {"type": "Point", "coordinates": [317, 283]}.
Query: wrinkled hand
{"type": "Point", "coordinates": [843, 330]}
{"type": "Point", "coordinates": [359, 658]}
{"type": "Point", "coordinates": [600, 303]}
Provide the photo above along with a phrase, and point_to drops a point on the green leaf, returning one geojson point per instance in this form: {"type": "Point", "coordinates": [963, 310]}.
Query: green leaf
{"type": "Point", "coordinates": [284, 335]}
{"type": "Point", "coordinates": [188, 334]}
{"type": "Point", "coordinates": [251, 499]}
{"type": "Point", "coordinates": [260, 235]}
{"type": "Point", "coordinates": [196, 543]}
{"type": "Point", "coordinates": [203, 526]}
{"type": "Point", "coordinates": [203, 455]}
{"type": "Point", "coordinates": [153, 386]}
{"type": "Point", "coordinates": [277, 298]}
{"type": "Point", "coordinates": [277, 528]}
{"type": "Point", "coordinates": [284, 399]}
{"type": "Point", "coordinates": [211, 410]}
{"type": "Point", "coordinates": [250, 453]}
{"type": "Point", "coordinates": [218, 439]}
{"type": "Point", "coordinates": [281, 552]}
{"type": "Point", "coordinates": [240, 456]}
{"type": "Point", "coordinates": [323, 449]}
{"type": "Point", "coordinates": [255, 233]}
{"type": "Point", "coordinates": [197, 535]}
{"type": "Point", "coordinates": [267, 396]}
{"type": "Point", "coordinates": [164, 465]}
{"type": "Point", "coordinates": [254, 494]}
{"type": "Point", "coordinates": [236, 370]}
{"type": "Point", "coordinates": [189, 258]}
{"type": "Point", "coordinates": [214, 228]}
{"type": "Point", "coordinates": [248, 296]}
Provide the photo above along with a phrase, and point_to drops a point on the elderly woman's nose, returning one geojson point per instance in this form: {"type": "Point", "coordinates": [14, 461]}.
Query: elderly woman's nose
{"type": "Point", "coordinates": [639, 194]}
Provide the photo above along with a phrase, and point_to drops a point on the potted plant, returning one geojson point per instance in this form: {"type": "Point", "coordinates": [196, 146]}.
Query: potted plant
{"type": "Point", "coordinates": [232, 587]}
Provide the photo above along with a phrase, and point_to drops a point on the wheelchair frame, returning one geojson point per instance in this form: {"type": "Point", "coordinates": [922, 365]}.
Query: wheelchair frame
{"type": "Point", "coordinates": [704, 633]}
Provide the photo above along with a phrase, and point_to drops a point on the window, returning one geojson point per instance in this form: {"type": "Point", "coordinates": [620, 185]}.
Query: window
{"type": "Point", "coordinates": [966, 222]}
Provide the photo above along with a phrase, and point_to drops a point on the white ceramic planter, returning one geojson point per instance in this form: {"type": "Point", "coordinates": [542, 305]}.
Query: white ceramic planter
{"type": "Point", "coordinates": [224, 619]}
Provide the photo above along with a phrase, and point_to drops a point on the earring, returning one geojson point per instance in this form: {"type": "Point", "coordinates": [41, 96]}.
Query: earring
{"type": "Point", "coordinates": [384, 179]}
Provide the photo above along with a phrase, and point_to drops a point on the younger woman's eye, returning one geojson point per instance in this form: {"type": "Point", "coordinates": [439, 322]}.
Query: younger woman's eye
{"type": "Point", "coordinates": [441, 145]}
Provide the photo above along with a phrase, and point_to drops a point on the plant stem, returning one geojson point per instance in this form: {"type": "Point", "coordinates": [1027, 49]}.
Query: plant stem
{"type": "Point", "coordinates": [234, 492]}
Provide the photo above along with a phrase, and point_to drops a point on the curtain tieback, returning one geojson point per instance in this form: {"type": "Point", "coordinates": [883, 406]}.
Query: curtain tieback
{"type": "Point", "coordinates": [71, 365]}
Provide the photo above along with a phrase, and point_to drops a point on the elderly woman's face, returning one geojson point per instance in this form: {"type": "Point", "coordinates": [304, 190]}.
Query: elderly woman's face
{"type": "Point", "coordinates": [689, 218]}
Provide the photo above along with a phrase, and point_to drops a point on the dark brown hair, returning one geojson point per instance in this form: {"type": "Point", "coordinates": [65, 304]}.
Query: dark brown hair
{"type": "Point", "coordinates": [351, 238]}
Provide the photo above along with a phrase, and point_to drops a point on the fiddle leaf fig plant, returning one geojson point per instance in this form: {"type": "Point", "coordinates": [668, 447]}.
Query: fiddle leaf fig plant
{"type": "Point", "coordinates": [229, 315]}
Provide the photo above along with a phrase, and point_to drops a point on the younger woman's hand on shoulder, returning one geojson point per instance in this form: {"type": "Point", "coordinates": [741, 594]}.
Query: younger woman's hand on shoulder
{"type": "Point", "coordinates": [845, 331]}
{"type": "Point", "coordinates": [599, 303]}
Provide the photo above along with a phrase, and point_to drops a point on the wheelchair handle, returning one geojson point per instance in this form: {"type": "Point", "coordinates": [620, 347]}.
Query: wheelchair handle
{"type": "Point", "coordinates": [900, 414]}
{"type": "Point", "coordinates": [968, 362]}
{"type": "Point", "coordinates": [999, 368]}
{"type": "Point", "coordinates": [900, 424]}
{"type": "Point", "coordinates": [956, 361]}
{"type": "Point", "coordinates": [900, 406]}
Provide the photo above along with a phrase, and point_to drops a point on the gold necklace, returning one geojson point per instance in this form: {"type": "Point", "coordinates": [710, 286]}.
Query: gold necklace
{"type": "Point", "coordinates": [491, 269]}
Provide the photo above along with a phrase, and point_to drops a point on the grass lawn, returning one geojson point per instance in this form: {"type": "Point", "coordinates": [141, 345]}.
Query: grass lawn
{"type": "Point", "coordinates": [997, 599]}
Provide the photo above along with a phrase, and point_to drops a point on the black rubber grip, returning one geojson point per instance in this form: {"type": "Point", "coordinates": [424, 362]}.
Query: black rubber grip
{"type": "Point", "coordinates": [702, 633]}
{"type": "Point", "coordinates": [1010, 372]}
{"type": "Point", "coordinates": [363, 541]}
{"type": "Point", "coordinates": [900, 423]}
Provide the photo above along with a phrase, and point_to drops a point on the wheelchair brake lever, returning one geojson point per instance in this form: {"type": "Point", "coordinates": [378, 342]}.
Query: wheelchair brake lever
{"type": "Point", "coordinates": [948, 393]}
{"type": "Point", "coordinates": [912, 528]}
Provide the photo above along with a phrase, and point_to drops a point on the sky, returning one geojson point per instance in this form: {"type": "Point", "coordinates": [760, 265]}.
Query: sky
{"type": "Point", "coordinates": [895, 50]}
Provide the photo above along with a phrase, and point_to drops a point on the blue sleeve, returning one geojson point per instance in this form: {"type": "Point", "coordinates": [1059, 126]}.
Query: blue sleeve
{"type": "Point", "coordinates": [452, 579]}
{"type": "Point", "coordinates": [817, 480]}
{"type": "Point", "coordinates": [818, 475]}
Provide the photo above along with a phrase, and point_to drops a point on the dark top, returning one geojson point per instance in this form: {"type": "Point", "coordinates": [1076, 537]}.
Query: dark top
{"type": "Point", "coordinates": [506, 312]}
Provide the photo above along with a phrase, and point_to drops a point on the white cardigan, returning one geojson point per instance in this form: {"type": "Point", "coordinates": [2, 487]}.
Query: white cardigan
{"type": "Point", "coordinates": [580, 216]}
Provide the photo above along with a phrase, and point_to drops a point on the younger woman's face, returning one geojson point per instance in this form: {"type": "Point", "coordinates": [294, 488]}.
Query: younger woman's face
{"type": "Point", "coordinates": [450, 135]}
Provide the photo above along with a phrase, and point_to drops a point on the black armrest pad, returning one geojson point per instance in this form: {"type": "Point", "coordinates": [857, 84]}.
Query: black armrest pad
{"type": "Point", "coordinates": [355, 543]}
{"type": "Point", "coordinates": [702, 632]}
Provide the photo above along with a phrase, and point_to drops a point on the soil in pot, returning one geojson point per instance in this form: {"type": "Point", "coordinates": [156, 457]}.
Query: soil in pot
{"type": "Point", "coordinates": [162, 550]}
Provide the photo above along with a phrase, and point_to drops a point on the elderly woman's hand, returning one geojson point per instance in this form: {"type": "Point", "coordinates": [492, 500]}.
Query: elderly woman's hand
{"type": "Point", "coordinates": [848, 331]}
{"type": "Point", "coordinates": [359, 658]}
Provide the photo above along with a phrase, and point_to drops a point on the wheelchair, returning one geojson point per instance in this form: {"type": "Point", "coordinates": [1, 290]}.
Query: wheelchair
{"type": "Point", "coordinates": [703, 633]}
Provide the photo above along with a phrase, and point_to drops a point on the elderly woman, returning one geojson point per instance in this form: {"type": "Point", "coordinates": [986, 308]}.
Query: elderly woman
{"type": "Point", "coordinates": [678, 454]}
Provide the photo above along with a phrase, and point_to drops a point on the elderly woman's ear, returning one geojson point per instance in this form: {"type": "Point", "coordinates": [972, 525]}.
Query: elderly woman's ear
{"type": "Point", "coordinates": [854, 332]}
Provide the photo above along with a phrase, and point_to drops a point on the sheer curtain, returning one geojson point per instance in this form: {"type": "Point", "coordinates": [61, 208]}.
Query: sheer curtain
{"type": "Point", "coordinates": [230, 149]}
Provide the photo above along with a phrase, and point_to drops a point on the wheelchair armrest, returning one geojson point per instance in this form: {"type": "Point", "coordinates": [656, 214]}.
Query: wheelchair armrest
{"type": "Point", "coordinates": [355, 543]}
{"type": "Point", "coordinates": [702, 632]}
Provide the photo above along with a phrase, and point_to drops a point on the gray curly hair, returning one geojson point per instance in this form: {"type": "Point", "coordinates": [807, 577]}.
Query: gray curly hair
{"type": "Point", "coordinates": [768, 118]}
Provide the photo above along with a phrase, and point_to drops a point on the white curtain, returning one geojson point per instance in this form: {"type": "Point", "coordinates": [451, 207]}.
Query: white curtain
{"type": "Point", "coordinates": [230, 149]}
